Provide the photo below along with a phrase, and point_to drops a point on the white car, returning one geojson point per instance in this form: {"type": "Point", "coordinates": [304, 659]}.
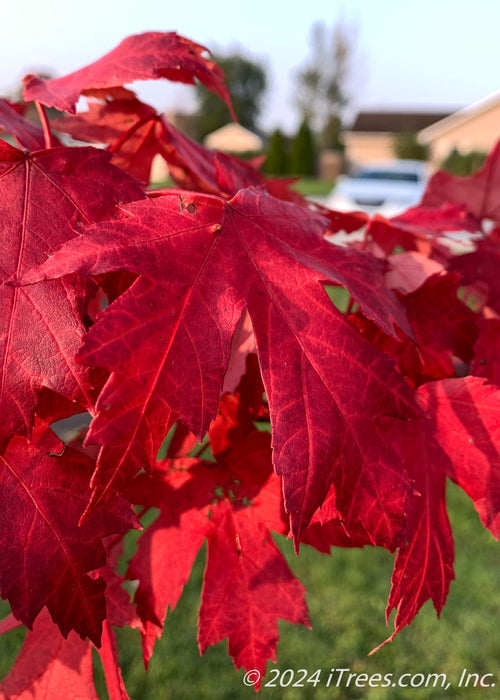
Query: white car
{"type": "Point", "coordinates": [387, 187]}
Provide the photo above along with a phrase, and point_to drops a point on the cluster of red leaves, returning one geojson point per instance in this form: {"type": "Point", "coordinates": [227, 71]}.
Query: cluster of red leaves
{"type": "Point", "coordinates": [202, 314]}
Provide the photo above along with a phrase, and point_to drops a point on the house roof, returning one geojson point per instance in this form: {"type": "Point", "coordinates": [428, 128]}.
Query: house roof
{"type": "Point", "coordinates": [395, 122]}
{"type": "Point", "coordinates": [459, 117]}
{"type": "Point", "coordinates": [233, 138]}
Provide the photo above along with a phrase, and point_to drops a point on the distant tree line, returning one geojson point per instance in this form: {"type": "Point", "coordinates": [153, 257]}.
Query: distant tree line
{"type": "Point", "coordinates": [292, 156]}
{"type": "Point", "coordinates": [321, 95]}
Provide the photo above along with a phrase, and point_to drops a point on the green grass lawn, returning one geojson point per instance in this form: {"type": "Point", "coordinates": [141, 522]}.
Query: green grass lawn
{"type": "Point", "coordinates": [308, 186]}
{"type": "Point", "coordinates": [347, 592]}
{"type": "Point", "coordinates": [314, 187]}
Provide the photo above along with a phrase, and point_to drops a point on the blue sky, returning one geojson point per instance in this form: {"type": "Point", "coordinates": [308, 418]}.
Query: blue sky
{"type": "Point", "coordinates": [425, 54]}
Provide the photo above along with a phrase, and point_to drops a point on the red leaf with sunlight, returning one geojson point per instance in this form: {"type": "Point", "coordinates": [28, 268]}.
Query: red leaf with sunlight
{"type": "Point", "coordinates": [120, 611]}
{"type": "Point", "coordinates": [478, 192]}
{"type": "Point", "coordinates": [47, 553]}
{"type": "Point", "coordinates": [459, 439]}
{"type": "Point", "coordinates": [243, 346]}
{"type": "Point", "coordinates": [423, 568]}
{"type": "Point", "coordinates": [466, 413]}
{"type": "Point", "coordinates": [233, 503]}
{"type": "Point", "coordinates": [49, 666]}
{"type": "Point", "coordinates": [43, 197]}
{"type": "Point", "coordinates": [346, 221]}
{"type": "Point", "coordinates": [112, 671]}
{"type": "Point", "coordinates": [146, 56]}
{"type": "Point", "coordinates": [167, 340]}
{"type": "Point", "coordinates": [409, 270]}
{"type": "Point", "coordinates": [167, 549]}
{"type": "Point", "coordinates": [247, 587]}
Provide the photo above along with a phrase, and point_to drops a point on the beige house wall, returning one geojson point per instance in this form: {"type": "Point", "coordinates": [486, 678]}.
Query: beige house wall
{"type": "Point", "coordinates": [159, 169]}
{"type": "Point", "coordinates": [479, 132]}
{"type": "Point", "coordinates": [362, 147]}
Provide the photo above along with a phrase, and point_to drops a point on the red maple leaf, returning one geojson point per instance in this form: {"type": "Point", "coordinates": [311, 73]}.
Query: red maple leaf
{"type": "Point", "coordinates": [423, 568]}
{"type": "Point", "coordinates": [146, 56]}
{"type": "Point", "coordinates": [110, 662]}
{"type": "Point", "coordinates": [43, 196]}
{"type": "Point", "coordinates": [47, 554]}
{"type": "Point", "coordinates": [233, 503]}
{"type": "Point", "coordinates": [270, 257]}
{"type": "Point", "coordinates": [248, 586]}
{"type": "Point", "coordinates": [459, 439]}
{"type": "Point", "coordinates": [49, 666]}
{"type": "Point", "coordinates": [466, 413]}
{"type": "Point", "coordinates": [195, 167]}
{"type": "Point", "coordinates": [409, 270]}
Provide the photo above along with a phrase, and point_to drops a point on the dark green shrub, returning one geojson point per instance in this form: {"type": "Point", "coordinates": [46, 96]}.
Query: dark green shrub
{"type": "Point", "coordinates": [277, 155]}
{"type": "Point", "coordinates": [303, 152]}
{"type": "Point", "coordinates": [463, 163]}
{"type": "Point", "coordinates": [407, 146]}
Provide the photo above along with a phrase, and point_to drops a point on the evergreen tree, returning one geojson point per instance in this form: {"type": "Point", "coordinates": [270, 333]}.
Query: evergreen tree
{"type": "Point", "coordinates": [303, 154]}
{"type": "Point", "coordinates": [277, 156]}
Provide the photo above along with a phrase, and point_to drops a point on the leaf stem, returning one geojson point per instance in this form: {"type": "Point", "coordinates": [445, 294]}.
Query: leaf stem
{"type": "Point", "coordinates": [47, 134]}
